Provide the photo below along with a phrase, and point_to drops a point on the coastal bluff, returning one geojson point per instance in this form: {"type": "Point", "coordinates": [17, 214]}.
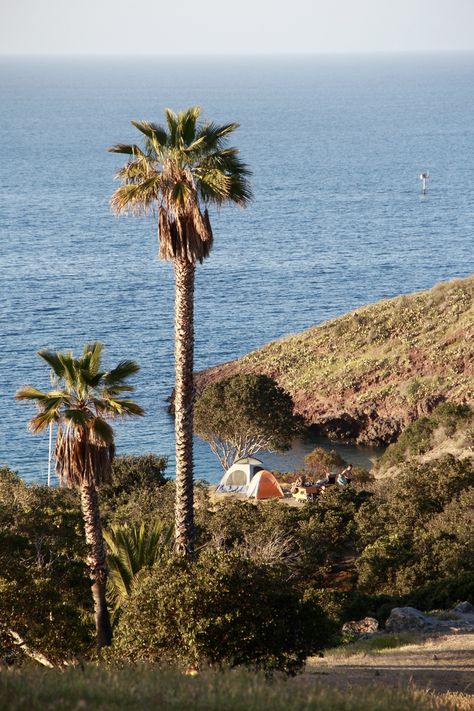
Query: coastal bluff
{"type": "Point", "coordinates": [365, 376]}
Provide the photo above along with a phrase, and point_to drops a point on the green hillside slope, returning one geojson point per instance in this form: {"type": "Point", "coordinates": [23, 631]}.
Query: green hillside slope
{"type": "Point", "coordinates": [366, 375]}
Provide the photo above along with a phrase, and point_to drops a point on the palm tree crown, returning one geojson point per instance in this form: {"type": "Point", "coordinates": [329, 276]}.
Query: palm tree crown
{"type": "Point", "coordinates": [178, 169]}
{"type": "Point", "coordinates": [83, 399]}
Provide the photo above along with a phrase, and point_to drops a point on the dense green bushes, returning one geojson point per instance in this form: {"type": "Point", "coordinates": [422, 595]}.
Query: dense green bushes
{"type": "Point", "coordinates": [222, 609]}
{"type": "Point", "coordinates": [307, 540]}
{"type": "Point", "coordinates": [417, 528]}
{"type": "Point", "coordinates": [44, 595]}
{"type": "Point", "coordinates": [265, 572]}
{"type": "Point", "coordinates": [139, 489]}
{"type": "Point", "coordinates": [44, 588]}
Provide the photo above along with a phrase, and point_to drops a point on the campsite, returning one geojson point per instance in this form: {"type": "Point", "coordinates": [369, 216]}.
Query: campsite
{"type": "Point", "coordinates": [248, 478]}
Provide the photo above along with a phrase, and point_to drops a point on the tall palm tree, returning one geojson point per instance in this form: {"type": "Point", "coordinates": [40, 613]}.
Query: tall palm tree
{"type": "Point", "coordinates": [179, 170]}
{"type": "Point", "coordinates": [83, 400]}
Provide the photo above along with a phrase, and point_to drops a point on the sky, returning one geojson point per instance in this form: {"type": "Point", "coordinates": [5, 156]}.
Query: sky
{"type": "Point", "coordinates": [243, 27]}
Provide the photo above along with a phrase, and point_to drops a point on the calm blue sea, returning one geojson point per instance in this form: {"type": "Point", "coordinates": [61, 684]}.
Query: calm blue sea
{"type": "Point", "coordinates": [336, 146]}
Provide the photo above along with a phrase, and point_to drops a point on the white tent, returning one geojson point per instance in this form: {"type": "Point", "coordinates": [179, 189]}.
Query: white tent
{"type": "Point", "coordinates": [238, 476]}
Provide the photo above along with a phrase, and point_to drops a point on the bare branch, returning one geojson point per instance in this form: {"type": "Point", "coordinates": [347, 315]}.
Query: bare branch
{"type": "Point", "coordinates": [32, 653]}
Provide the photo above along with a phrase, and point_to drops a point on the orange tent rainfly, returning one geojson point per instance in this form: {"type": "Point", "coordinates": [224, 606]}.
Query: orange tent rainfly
{"type": "Point", "coordinates": [264, 486]}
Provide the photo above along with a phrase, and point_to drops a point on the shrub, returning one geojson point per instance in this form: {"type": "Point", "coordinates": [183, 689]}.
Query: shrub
{"type": "Point", "coordinates": [129, 472]}
{"type": "Point", "coordinates": [44, 595]}
{"type": "Point", "coordinates": [414, 440]}
{"type": "Point", "coordinates": [221, 609]}
{"type": "Point", "coordinates": [452, 416]}
{"type": "Point", "coordinates": [418, 527]}
{"type": "Point", "coordinates": [138, 491]}
{"type": "Point", "coordinates": [319, 461]}
{"type": "Point", "coordinates": [443, 594]}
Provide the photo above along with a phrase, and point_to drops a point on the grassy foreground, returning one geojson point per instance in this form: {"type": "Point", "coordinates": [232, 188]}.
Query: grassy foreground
{"type": "Point", "coordinates": [33, 689]}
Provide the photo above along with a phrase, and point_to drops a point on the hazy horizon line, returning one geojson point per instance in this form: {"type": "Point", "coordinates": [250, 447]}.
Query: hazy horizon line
{"type": "Point", "coordinates": [234, 55]}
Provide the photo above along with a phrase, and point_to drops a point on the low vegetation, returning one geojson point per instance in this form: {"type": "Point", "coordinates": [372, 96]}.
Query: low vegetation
{"type": "Point", "coordinates": [270, 585]}
{"type": "Point", "coordinates": [449, 427]}
{"type": "Point", "coordinates": [373, 645]}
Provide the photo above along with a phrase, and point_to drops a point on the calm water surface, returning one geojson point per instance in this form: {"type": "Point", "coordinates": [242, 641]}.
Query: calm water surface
{"type": "Point", "coordinates": [336, 146]}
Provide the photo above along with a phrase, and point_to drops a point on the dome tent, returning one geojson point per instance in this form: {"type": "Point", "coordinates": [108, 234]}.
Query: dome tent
{"type": "Point", "coordinates": [264, 486]}
{"type": "Point", "coordinates": [237, 478]}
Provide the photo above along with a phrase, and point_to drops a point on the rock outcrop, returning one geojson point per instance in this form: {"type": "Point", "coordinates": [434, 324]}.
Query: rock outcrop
{"type": "Point", "coordinates": [409, 619]}
{"type": "Point", "coordinates": [359, 629]}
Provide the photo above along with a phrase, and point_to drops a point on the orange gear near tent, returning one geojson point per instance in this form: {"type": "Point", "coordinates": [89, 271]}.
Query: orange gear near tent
{"type": "Point", "coordinates": [264, 486]}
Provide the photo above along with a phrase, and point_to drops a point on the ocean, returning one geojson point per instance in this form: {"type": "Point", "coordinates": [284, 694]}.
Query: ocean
{"type": "Point", "coordinates": [336, 145]}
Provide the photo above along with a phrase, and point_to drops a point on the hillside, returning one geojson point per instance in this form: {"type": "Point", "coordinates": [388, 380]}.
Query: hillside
{"type": "Point", "coordinates": [448, 430]}
{"type": "Point", "coordinates": [364, 376]}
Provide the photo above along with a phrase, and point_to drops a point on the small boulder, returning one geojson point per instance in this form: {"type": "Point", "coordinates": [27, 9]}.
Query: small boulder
{"type": "Point", "coordinates": [361, 628]}
{"type": "Point", "coordinates": [408, 619]}
{"type": "Point", "coordinates": [464, 608]}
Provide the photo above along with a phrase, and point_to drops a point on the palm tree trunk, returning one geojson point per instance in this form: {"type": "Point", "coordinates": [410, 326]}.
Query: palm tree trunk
{"type": "Point", "coordinates": [184, 400]}
{"type": "Point", "coordinates": [97, 562]}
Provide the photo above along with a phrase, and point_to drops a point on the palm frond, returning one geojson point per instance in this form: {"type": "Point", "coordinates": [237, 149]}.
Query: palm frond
{"type": "Point", "coordinates": [127, 149]}
{"type": "Point", "coordinates": [180, 194]}
{"type": "Point", "coordinates": [124, 370]}
{"type": "Point", "coordinates": [118, 407]}
{"type": "Point", "coordinates": [54, 401]}
{"type": "Point", "coordinates": [69, 368]}
{"type": "Point", "coordinates": [131, 550]}
{"type": "Point", "coordinates": [156, 133]}
{"type": "Point", "coordinates": [42, 420]}
{"type": "Point", "coordinates": [136, 198]}
{"type": "Point", "coordinates": [108, 393]}
{"type": "Point", "coordinates": [214, 186]}
{"type": "Point", "coordinates": [28, 392]}
{"type": "Point", "coordinates": [240, 192]}
{"type": "Point", "coordinates": [172, 123]}
{"type": "Point", "coordinates": [102, 431]}
{"type": "Point", "coordinates": [135, 172]}
{"type": "Point", "coordinates": [53, 360]}
{"type": "Point", "coordinates": [214, 137]}
{"type": "Point", "coordinates": [235, 188]}
{"type": "Point", "coordinates": [187, 124]}
{"type": "Point", "coordinates": [89, 379]}
{"type": "Point", "coordinates": [93, 352]}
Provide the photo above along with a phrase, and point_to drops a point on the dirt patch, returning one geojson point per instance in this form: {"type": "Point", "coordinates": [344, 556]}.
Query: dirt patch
{"type": "Point", "coordinates": [441, 664]}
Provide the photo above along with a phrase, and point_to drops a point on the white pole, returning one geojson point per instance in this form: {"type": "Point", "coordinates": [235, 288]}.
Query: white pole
{"type": "Point", "coordinates": [424, 182]}
{"type": "Point", "coordinates": [50, 452]}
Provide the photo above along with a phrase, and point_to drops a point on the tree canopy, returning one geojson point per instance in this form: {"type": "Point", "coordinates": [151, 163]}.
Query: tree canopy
{"type": "Point", "coordinates": [240, 415]}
